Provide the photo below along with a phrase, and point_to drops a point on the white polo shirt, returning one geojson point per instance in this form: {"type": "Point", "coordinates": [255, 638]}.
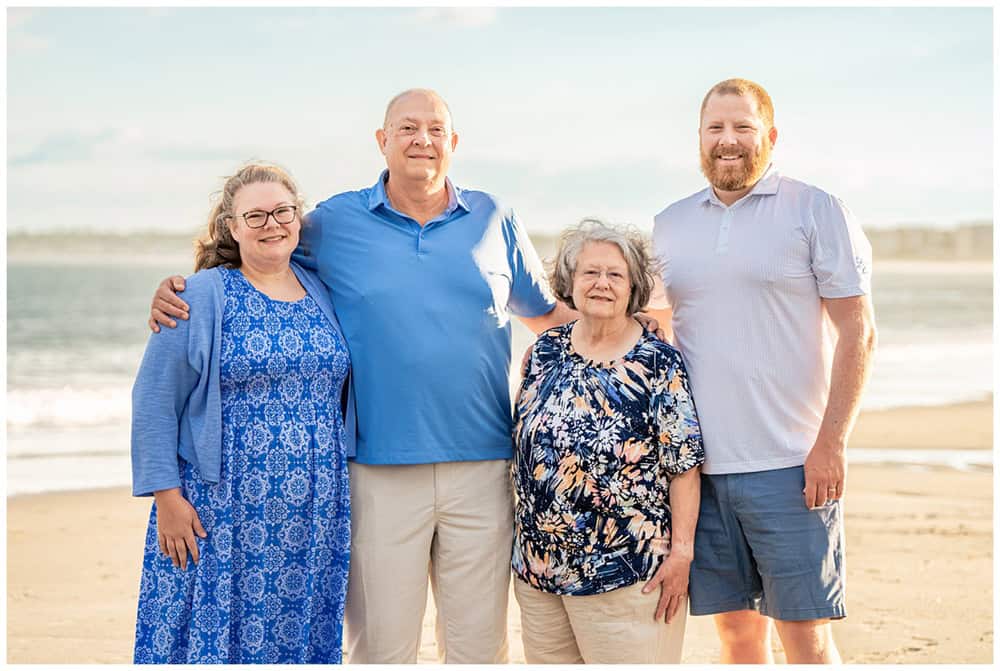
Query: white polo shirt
{"type": "Point", "coordinates": [745, 283]}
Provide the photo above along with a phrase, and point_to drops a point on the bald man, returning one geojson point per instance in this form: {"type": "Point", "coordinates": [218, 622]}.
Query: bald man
{"type": "Point", "coordinates": [425, 276]}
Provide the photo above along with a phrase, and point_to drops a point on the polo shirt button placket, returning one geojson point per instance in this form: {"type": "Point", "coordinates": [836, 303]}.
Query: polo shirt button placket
{"type": "Point", "coordinates": [722, 243]}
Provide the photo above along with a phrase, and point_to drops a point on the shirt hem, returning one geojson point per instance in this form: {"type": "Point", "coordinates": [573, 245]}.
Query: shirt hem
{"type": "Point", "coordinates": [845, 292]}
{"type": "Point", "coordinates": [531, 314]}
{"type": "Point", "coordinates": [437, 458]}
{"type": "Point", "coordinates": [563, 592]}
{"type": "Point", "coordinates": [753, 466]}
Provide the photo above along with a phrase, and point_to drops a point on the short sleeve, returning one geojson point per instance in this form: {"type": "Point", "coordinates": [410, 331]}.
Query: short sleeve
{"type": "Point", "coordinates": [530, 295]}
{"type": "Point", "coordinates": [307, 253]}
{"type": "Point", "coordinates": [675, 419]}
{"type": "Point", "coordinates": [841, 253]}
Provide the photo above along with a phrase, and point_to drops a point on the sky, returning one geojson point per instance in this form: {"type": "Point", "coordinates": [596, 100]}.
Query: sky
{"type": "Point", "coordinates": [127, 120]}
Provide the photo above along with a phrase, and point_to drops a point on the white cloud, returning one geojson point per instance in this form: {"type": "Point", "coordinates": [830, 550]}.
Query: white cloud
{"type": "Point", "coordinates": [460, 17]}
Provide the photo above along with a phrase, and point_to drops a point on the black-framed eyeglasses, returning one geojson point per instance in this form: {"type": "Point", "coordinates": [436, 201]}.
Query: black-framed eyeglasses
{"type": "Point", "coordinates": [282, 215]}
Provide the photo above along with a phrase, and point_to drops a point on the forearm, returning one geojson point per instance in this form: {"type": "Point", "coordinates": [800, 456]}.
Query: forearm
{"type": "Point", "coordinates": [685, 498]}
{"type": "Point", "coordinates": [851, 369]}
{"type": "Point", "coordinates": [557, 316]}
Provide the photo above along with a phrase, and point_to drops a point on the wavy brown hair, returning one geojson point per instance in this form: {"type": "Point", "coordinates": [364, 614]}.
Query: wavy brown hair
{"type": "Point", "coordinates": [217, 246]}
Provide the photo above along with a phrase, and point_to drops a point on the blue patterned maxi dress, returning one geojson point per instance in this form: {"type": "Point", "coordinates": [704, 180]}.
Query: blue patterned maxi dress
{"type": "Point", "coordinates": [271, 580]}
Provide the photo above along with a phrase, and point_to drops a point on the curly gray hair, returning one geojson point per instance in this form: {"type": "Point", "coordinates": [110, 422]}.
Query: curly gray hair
{"type": "Point", "coordinates": [642, 267]}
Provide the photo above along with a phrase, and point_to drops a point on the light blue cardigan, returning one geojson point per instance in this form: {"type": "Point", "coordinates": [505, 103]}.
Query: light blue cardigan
{"type": "Point", "coordinates": [176, 405]}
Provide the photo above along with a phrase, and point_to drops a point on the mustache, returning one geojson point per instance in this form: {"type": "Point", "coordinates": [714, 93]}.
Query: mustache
{"type": "Point", "coordinates": [719, 153]}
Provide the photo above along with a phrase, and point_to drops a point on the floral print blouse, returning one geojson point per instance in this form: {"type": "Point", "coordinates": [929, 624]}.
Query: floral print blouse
{"type": "Point", "coordinates": [595, 449]}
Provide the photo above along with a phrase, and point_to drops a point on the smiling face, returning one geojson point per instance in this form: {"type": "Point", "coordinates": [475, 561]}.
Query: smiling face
{"type": "Point", "coordinates": [601, 285]}
{"type": "Point", "coordinates": [269, 247]}
{"type": "Point", "coordinates": [417, 139]}
{"type": "Point", "coordinates": [735, 144]}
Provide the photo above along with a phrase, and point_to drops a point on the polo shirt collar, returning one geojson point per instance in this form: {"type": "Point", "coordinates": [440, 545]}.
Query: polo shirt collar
{"type": "Point", "coordinates": [767, 185]}
{"type": "Point", "coordinates": [378, 195]}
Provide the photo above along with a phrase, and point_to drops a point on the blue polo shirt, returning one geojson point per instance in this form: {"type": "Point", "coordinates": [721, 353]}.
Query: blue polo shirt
{"type": "Point", "coordinates": [426, 314]}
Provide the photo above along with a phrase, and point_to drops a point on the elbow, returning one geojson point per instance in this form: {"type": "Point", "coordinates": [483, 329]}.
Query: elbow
{"type": "Point", "coordinates": [869, 337]}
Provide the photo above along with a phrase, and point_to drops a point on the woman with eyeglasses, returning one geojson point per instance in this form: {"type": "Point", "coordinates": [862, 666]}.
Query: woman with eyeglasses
{"type": "Point", "coordinates": [241, 427]}
{"type": "Point", "coordinates": [607, 449]}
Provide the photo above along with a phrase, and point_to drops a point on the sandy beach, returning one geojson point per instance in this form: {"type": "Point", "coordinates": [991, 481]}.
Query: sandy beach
{"type": "Point", "coordinates": [966, 426]}
{"type": "Point", "coordinates": [919, 547]}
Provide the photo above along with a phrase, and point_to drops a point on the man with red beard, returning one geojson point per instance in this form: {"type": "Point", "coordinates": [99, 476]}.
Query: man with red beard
{"type": "Point", "coordinates": [754, 265]}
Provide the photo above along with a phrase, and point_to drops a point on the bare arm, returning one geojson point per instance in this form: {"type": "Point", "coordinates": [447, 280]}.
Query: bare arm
{"type": "Point", "coordinates": [685, 498]}
{"type": "Point", "coordinates": [826, 465]}
{"type": "Point", "coordinates": [673, 574]}
{"type": "Point", "coordinates": [659, 313]}
{"type": "Point", "coordinates": [167, 304]}
{"type": "Point", "coordinates": [659, 321]}
{"type": "Point", "coordinates": [557, 316]}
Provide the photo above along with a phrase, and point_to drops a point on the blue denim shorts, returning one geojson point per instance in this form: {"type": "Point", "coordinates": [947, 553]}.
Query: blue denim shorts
{"type": "Point", "coordinates": [758, 547]}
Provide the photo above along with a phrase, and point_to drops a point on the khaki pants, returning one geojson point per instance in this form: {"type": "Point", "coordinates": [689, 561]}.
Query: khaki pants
{"type": "Point", "coordinates": [452, 521]}
{"type": "Point", "coordinates": [616, 627]}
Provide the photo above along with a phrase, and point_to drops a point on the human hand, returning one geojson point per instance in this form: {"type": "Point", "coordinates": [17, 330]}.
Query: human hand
{"type": "Point", "coordinates": [176, 525]}
{"type": "Point", "coordinates": [167, 304]}
{"type": "Point", "coordinates": [672, 577]}
{"type": "Point", "coordinates": [650, 323]}
{"type": "Point", "coordinates": [825, 473]}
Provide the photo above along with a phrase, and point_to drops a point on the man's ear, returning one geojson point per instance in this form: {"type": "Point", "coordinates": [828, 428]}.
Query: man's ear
{"type": "Point", "coordinates": [380, 138]}
{"type": "Point", "coordinates": [772, 135]}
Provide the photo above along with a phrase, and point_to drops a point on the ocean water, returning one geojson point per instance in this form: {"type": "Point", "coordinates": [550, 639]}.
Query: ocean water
{"type": "Point", "coordinates": [76, 331]}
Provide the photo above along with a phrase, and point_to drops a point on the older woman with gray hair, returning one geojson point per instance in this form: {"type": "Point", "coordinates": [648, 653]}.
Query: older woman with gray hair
{"type": "Point", "coordinates": [606, 461]}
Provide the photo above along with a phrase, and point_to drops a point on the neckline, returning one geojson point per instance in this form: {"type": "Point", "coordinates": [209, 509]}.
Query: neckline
{"type": "Point", "coordinates": [591, 363]}
{"type": "Point", "coordinates": [250, 284]}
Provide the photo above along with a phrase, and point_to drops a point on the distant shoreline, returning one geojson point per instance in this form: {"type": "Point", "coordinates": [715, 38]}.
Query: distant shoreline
{"type": "Point", "coordinates": [78, 248]}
